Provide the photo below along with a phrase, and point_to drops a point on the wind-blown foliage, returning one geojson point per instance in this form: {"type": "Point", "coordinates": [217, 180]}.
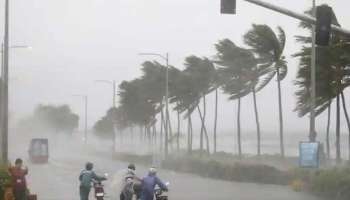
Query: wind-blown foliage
{"type": "Point", "coordinates": [269, 47]}
{"type": "Point", "coordinates": [332, 76]}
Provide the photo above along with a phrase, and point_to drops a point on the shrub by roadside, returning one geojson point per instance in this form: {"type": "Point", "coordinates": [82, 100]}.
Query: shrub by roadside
{"type": "Point", "coordinates": [211, 168]}
{"type": "Point", "coordinates": [232, 172]}
{"type": "Point", "coordinates": [5, 180]}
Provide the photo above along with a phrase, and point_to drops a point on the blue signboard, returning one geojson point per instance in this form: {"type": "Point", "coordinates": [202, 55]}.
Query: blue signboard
{"type": "Point", "coordinates": [309, 154]}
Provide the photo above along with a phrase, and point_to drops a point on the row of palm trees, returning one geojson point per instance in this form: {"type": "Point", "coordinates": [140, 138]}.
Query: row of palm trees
{"type": "Point", "coordinates": [237, 71]}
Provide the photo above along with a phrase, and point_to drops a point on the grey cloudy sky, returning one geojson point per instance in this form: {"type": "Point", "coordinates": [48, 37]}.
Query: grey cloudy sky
{"type": "Point", "coordinates": [77, 41]}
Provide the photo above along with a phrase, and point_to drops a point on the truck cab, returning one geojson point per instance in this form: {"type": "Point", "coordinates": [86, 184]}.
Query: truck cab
{"type": "Point", "coordinates": [39, 150]}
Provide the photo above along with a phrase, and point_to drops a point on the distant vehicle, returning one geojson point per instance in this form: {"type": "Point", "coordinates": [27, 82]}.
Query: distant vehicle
{"type": "Point", "coordinates": [39, 150]}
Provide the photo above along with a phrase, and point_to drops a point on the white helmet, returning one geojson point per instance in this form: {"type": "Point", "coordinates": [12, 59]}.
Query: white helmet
{"type": "Point", "coordinates": [152, 171]}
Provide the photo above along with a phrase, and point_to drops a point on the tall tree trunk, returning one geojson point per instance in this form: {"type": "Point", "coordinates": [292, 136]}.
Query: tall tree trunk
{"type": "Point", "coordinates": [215, 118]}
{"type": "Point", "coordinates": [140, 136]}
{"type": "Point", "coordinates": [328, 127]}
{"type": "Point", "coordinates": [189, 132]}
{"type": "Point", "coordinates": [347, 120]}
{"type": "Point", "coordinates": [338, 152]}
{"type": "Point", "coordinates": [239, 129]}
{"type": "Point", "coordinates": [149, 138]}
{"type": "Point", "coordinates": [162, 127]}
{"type": "Point", "coordinates": [188, 135]}
{"type": "Point", "coordinates": [170, 130]}
{"type": "Point", "coordinates": [132, 134]}
{"type": "Point", "coordinates": [280, 112]}
{"type": "Point", "coordinates": [154, 134]}
{"type": "Point", "coordinates": [257, 123]}
{"type": "Point", "coordinates": [203, 130]}
{"type": "Point", "coordinates": [204, 126]}
{"type": "Point", "coordinates": [178, 131]}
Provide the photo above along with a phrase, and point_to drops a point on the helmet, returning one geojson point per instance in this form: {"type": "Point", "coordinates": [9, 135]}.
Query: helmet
{"type": "Point", "coordinates": [152, 171]}
{"type": "Point", "coordinates": [131, 166]}
{"type": "Point", "coordinates": [89, 166]}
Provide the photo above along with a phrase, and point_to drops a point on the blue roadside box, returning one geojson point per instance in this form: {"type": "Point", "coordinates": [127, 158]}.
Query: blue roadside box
{"type": "Point", "coordinates": [309, 154]}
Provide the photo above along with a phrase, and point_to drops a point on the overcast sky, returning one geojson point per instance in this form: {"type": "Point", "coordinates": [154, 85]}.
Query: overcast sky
{"type": "Point", "coordinates": [78, 41]}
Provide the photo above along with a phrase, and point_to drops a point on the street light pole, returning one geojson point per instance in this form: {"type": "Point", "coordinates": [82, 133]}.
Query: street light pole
{"type": "Point", "coordinates": [113, 83]}
{"type": "Point", "coordinates": [85, 98]}
{"type": "Point", "coordinates": [313, 78]}
{"type": "Point", "coordinates": [4, 141]}
{"type": "Point", "coordinates": [86, 115]}
{"type": "Point", "coordinates": [114, 90]}
{"type": "Point", "coordinates": [4, 99]}
{"type": "Point", "coordinates": [167, 104]}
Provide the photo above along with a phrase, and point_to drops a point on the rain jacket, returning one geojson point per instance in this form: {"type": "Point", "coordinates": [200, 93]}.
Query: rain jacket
{"type": "Point", "coordinates": [128, 185]}
{"type": "Point", "coordinates": [148, 185]}
{"type": "Point", "coordinates": [86, 178]}
{"type": "Point", "coordinates": [18, 178]}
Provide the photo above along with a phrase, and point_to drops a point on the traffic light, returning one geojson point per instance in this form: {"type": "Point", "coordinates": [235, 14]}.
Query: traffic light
{"type": "Point", "coordinates": [228, 6]}
{"type": "Point", "coordinates": [324, 15]}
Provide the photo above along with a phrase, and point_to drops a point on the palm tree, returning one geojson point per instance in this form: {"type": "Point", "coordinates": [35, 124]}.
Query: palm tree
{"type": "Point", "coordinates": [237, 66]}
{"type": "Point", "coordinates": [138, 108]}
{"type": "Point", "coordinates": [201, 71]}
{"type": "Point", "coordinates": [186, 97]}
{"type": "Point", "coordinates": [269, 46]}
{"type": "Point", "coordinates": [332, 74]}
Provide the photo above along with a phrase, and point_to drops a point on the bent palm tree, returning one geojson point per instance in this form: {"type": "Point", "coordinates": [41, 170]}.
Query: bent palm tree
{"type": "Point", "coordinates": [236, 67]}
{"type": "Point", "coordinates": [332, 75]}
{"type": "Point", "coordinates": [269, 46]}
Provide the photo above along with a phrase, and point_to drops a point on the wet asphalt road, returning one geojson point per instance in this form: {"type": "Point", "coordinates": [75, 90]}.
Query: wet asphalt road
{"type": "Point", "coordinates": [58, 180]}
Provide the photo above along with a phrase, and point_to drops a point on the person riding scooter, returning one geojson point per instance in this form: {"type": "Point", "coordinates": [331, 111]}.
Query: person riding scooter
{"type": "Point", "coordinates": [149, 183]}
{"type": "Point", "coordinates": [86, 178]}
{"type": "Point", "coordinates": [131, 184]}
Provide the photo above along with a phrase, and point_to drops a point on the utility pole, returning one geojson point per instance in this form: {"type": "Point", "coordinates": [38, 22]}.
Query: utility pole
{"type": "Point", "coordinates": [114, 91]}
{"type": "Point", "coordinates": [114, 86]}
{"type": "Point", "coordinates": [2, 97]}
{"type": "Point", "coordinates": [167, 105]}
{"type": "Point", "coordinates": [86, 116]}
{"type": "Point", "coordinates": [85, 99]}
{"type": "Point", "coordinates": [4, 141]}
{"type": "Point", "coordinates": [312, 136]}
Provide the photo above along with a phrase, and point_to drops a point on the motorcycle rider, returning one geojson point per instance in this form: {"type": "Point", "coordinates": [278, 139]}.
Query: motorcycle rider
{"type": "Point", "coordinates": [86, 178]}
{"type": "Point", "coordinates": [149, 183]}
{"type": "Point", "coordinates": [131, 184]}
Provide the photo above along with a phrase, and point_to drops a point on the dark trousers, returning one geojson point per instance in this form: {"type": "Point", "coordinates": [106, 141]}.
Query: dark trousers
{"type": "Point", "coordinates": [20, 194]}
{"type": "Point", "coordinates": [84, 193]}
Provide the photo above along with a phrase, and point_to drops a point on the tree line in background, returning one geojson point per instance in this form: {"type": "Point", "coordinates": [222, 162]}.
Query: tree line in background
{"type": "Point", "coordinates": [50, 118]}
{"type": "Point", "coordinates": [238, 72]}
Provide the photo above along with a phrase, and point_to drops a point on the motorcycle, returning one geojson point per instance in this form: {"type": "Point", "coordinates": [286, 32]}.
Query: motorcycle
{"type": "Point", "coordinates": [99, 188]}
{"type": "Point", "coordinates": [161, 194]}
